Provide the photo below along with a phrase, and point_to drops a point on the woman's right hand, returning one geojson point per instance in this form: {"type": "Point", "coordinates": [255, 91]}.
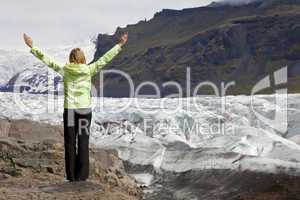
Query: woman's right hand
{"type": "Point", "coordinates": [123, 39]}
{"type": "Point", "coordinates": [28, 40]}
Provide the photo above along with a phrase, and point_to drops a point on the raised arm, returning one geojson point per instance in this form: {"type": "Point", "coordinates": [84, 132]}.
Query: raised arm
{"type": "Point", "coordinates": [41, 56]}
{"type": "Point", "coordinates": [107, 57]}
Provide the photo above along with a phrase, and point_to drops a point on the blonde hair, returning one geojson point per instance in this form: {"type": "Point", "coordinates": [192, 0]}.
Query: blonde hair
{"type": "Point", "coordinates": [77, 56]}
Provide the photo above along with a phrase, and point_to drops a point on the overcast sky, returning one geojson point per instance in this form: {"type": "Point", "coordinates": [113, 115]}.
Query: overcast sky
{"type": "Point", "coordinates": [58, 22]}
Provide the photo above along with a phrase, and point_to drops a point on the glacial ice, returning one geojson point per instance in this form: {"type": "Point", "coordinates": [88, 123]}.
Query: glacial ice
{"type": "Point", "coordinates": [179, 139]}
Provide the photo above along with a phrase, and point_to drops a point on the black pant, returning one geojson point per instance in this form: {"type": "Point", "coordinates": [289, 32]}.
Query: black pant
{"type": "Point", "coordinates": [77, 124]}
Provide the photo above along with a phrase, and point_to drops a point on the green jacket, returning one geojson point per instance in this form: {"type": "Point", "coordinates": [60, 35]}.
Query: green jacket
{"type": "Point", "coordinates": [77, 77]}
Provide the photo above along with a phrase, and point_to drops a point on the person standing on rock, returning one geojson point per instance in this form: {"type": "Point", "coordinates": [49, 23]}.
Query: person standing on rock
{"type": "Point", "coordinates": [77, 103]}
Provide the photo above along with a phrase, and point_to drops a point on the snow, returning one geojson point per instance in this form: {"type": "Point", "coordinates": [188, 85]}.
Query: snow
{"type": "Point", "coordinates": [13, 62]}
{"type": "Point", "coordinates": [180, 138]}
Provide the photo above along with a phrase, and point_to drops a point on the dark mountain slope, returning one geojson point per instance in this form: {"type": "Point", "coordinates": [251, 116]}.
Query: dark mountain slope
{"type": "Point", "coordinates": [219, 43]}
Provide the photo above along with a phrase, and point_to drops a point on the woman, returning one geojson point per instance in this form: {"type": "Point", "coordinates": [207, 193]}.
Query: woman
{"type": "Point", "coordinates": [77, 103]}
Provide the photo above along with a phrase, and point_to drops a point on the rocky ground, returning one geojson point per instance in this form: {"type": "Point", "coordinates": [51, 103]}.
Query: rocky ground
{"type": "Point", "coordinates": [32, 167]}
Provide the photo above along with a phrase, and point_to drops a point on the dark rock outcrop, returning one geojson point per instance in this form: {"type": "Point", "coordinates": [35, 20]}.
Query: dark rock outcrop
{"type": "Point", "coordinates": [32, 167]}
{"type": "Point", "coordinates": [226, 184]}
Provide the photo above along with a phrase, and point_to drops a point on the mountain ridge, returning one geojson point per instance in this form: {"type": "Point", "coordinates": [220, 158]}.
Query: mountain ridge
{"type": "Point", "coordinates": [159, 50]}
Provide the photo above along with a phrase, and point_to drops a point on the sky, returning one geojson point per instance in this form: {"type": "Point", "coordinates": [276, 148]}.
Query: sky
{"type": "Point", "coordinates": [53, 23]}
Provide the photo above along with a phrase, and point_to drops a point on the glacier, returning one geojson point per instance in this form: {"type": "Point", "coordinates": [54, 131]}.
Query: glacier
{"type": "Point", "coordinates": [137, 129]}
